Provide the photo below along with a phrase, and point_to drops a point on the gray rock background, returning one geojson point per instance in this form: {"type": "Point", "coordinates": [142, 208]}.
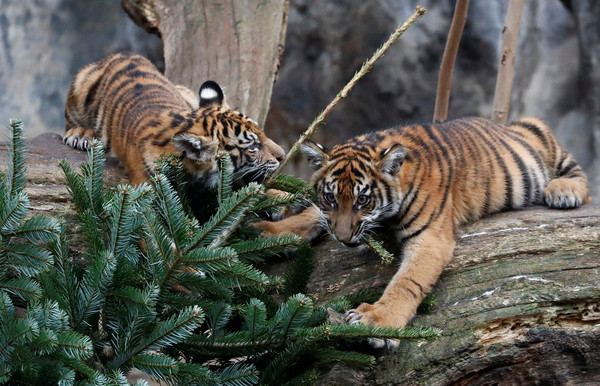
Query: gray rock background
{"type": "Point", "coordinates": [43, 44]}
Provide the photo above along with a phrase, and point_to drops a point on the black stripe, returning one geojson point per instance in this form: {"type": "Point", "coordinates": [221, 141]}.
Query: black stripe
{"type": "Point", "coordinates": [507, 178]}
{"type": "Point", "coordinates": [534, 129]}
{"type": "Point", "coordinates": [92, 93]}
{"type": "Point", "coordinates": [565, 171]}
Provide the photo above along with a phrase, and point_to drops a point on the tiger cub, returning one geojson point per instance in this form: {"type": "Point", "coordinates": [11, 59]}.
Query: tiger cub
{"type": "Point", "coordinates": [425, 180]}
{"type": "Point", "coordinates": [139, 115]}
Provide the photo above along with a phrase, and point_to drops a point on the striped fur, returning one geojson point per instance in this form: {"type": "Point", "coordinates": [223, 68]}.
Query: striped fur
{"type": "Point", "coordinates": [139, 115]}
{"type": "Point", "coordinates": [424, 181]}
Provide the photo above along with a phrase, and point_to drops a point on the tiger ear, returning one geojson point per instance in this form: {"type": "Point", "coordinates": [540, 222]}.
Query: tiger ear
{"type": "Point", "coordinates": [211, 94]}
{"type": "Point", "coordinates": [315, 154]}
{"type": "Point", "coordinates": [392, 159]}
{"type": "Point", "coordinates": [202, 149]}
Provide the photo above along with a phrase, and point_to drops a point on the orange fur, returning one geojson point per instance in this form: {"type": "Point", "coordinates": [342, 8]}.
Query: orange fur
{"type": "Point", "coordinates": [424, 181]}
{"type": "Point", "coordinates": [139, 115]}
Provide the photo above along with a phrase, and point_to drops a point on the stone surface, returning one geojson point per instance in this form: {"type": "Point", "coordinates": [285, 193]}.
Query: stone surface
{"type": "Point", "coordinates": [44, 43]}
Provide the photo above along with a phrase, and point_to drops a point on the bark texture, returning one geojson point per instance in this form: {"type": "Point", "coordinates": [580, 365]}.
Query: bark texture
{"type": "Point", "coordinates": [518, 304]}
{"type": "Point", "coordinates": [238, 44]}
{"type": "Point", "coordinates": [506, 67]}
{"type": "Point", "coordinates": [442, 98]}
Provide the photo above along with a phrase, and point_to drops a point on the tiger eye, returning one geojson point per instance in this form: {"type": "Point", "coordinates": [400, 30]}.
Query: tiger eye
{"type": "Point", "coordinates": [363, 199]}
{"type": "Point", "coordinates": [329, 197]}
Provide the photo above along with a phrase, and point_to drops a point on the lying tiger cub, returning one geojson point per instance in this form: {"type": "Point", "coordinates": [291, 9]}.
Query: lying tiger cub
{"type": "Point", "coordinates": [139, 115]}
{"type": "Point", "coordinates": [425, 180]}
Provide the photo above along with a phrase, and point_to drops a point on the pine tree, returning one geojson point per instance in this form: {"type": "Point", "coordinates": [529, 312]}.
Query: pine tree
{"type": "Point", "coordinates": [161, 291]}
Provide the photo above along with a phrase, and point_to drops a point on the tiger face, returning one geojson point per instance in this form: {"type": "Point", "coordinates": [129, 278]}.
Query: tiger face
{"type": "Point", "coordinates": [215, 126]}
{"type": "Point", "coordinates": [356, 186]}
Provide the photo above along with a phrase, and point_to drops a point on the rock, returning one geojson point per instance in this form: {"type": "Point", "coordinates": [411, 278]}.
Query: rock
{"type": "Point", "coordinates": [44, 43]}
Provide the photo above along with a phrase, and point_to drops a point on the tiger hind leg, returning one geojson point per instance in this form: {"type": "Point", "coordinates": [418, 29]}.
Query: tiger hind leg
{"type": "Point", "coordinates": [79, 138]}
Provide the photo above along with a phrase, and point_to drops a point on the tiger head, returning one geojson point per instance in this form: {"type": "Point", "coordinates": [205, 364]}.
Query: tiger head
{"type": "Point", "coordinates": [357, 186]}
{"type": "Point", "coordinates": [213, 127]}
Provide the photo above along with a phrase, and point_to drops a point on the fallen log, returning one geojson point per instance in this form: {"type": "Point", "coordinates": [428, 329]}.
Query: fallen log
{"type": "Point", "coordinates": [518, 304]}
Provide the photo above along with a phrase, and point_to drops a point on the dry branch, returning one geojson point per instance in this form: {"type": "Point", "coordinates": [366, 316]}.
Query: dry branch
{"type": "Point", "coordinates": [419, 11]}
{"type": "Point", "coordinates": [442, 99]}
{"type": "Point", "coordinates": [506, 67]}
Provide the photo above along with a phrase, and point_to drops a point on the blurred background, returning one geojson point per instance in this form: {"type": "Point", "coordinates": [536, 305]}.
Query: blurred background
{"type": "Point", "coordinates": [43, 43]}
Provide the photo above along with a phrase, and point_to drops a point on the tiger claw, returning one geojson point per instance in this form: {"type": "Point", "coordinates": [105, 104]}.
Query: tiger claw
{"type": "Point", "coordinates": [354, 318]}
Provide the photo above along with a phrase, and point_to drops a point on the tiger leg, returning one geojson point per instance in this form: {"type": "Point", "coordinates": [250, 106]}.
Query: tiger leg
{"type": "Point", "coordinates": [79, 138]}
{"type": "Point", "coordinates": [425, 257]}
{"type": "Point", "coordinates": [305, 224]}
{"type": "Point", "coordinates": [569, 189]}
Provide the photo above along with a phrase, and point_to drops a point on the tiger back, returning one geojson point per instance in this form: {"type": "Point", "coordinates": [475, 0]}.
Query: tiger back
{"type": "Point", "coordinates": [139, 115]}
{"type": "Point", "coordinates": [424, 181]}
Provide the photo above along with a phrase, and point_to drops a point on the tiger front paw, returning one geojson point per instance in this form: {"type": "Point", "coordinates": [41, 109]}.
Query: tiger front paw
{"type": "Point", "coordinates": [565, 193]}
{"type": "Point", "coordinates": [79, 138]}
{"type": "Point", "coordinates": [380, 316]}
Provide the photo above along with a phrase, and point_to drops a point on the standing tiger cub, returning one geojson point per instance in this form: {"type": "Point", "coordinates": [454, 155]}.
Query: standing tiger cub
{"type": "Point", "coordinates": [139, 115]}
{"type": "Point", "coordinates": [424, 181]}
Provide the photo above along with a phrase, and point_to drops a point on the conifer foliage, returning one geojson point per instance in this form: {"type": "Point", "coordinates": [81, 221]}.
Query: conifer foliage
{"type": "Point", "coordinates": [159, 291]}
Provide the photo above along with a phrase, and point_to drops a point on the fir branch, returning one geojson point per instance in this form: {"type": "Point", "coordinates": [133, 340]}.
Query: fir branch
{"type": "Point", "coordinates": [124, 218]}
{"type": "Point", "coordinates": [292, 315]}
{"type": "Point", "coordinates": [13, 213]}
{"type": "Point", "coordinates": [419, 11]}
{"type": "Point", "coordinates": [218, 228]}
{"type": "Point", "coordinates": [75, 345]}
{"type": "Point", "coordinates": [298, 272]}
{"type": "Point", "coordinates": [274, 372]}
{"type": "Point", "coordinates": [165, 334]}
{"type": "Point", "coordinates": [22, 287]}
{"type": "Point", "coordinates": [363, 331]}
{"type": "Point", "coordinates": [155, 365]}
{"type": "Point", "coordinates": [270, 203]}
{"type": "Point", "coordinates": [225, 187]}
{"type": "Point", "coordinates": [238, 375]}
{"type": "Point", "coordinates": [377, 247]}
{"type": "Point", "coordinates": [171, 210]}
{"type": "Point", "coordinates": [17, 167]}
{"type": "Point", "coordinates": [92, 291]}
{"type": "Point", "coordinates": [64, 276]}
{"type": "Point", "coordinates": [38, 229]}
{"type": "Point", "coordinates": [76, 187]}
{"type": "Point", "coordinates": [292, 185]}
{"type": "Point", "coordinates": [92, 172]}
{"type": "Point", "coordinates": [27, 259]}
{"type": "Point", "coordinates": [255, 318]}
{"type": "Point", "coordinates": [256, 248]}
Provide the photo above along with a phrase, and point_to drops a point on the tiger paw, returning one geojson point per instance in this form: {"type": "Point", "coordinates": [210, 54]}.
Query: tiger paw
{"type": "Point", "coordinates": [79, 138]}
{"type": "Point", "coordinates": [565, 193]}
{"type": "Point", "coordinates": [379, 316]}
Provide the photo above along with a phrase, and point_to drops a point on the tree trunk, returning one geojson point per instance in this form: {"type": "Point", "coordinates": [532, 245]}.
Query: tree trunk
{"type": "Point", "coordinates": [506, 67]}
{"type": "Point", "coordinates": [442, 98]}
{"type": "Point", "coordinates": [519, 303]}
{"type": "Point", "coordinates": [238, 44]}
